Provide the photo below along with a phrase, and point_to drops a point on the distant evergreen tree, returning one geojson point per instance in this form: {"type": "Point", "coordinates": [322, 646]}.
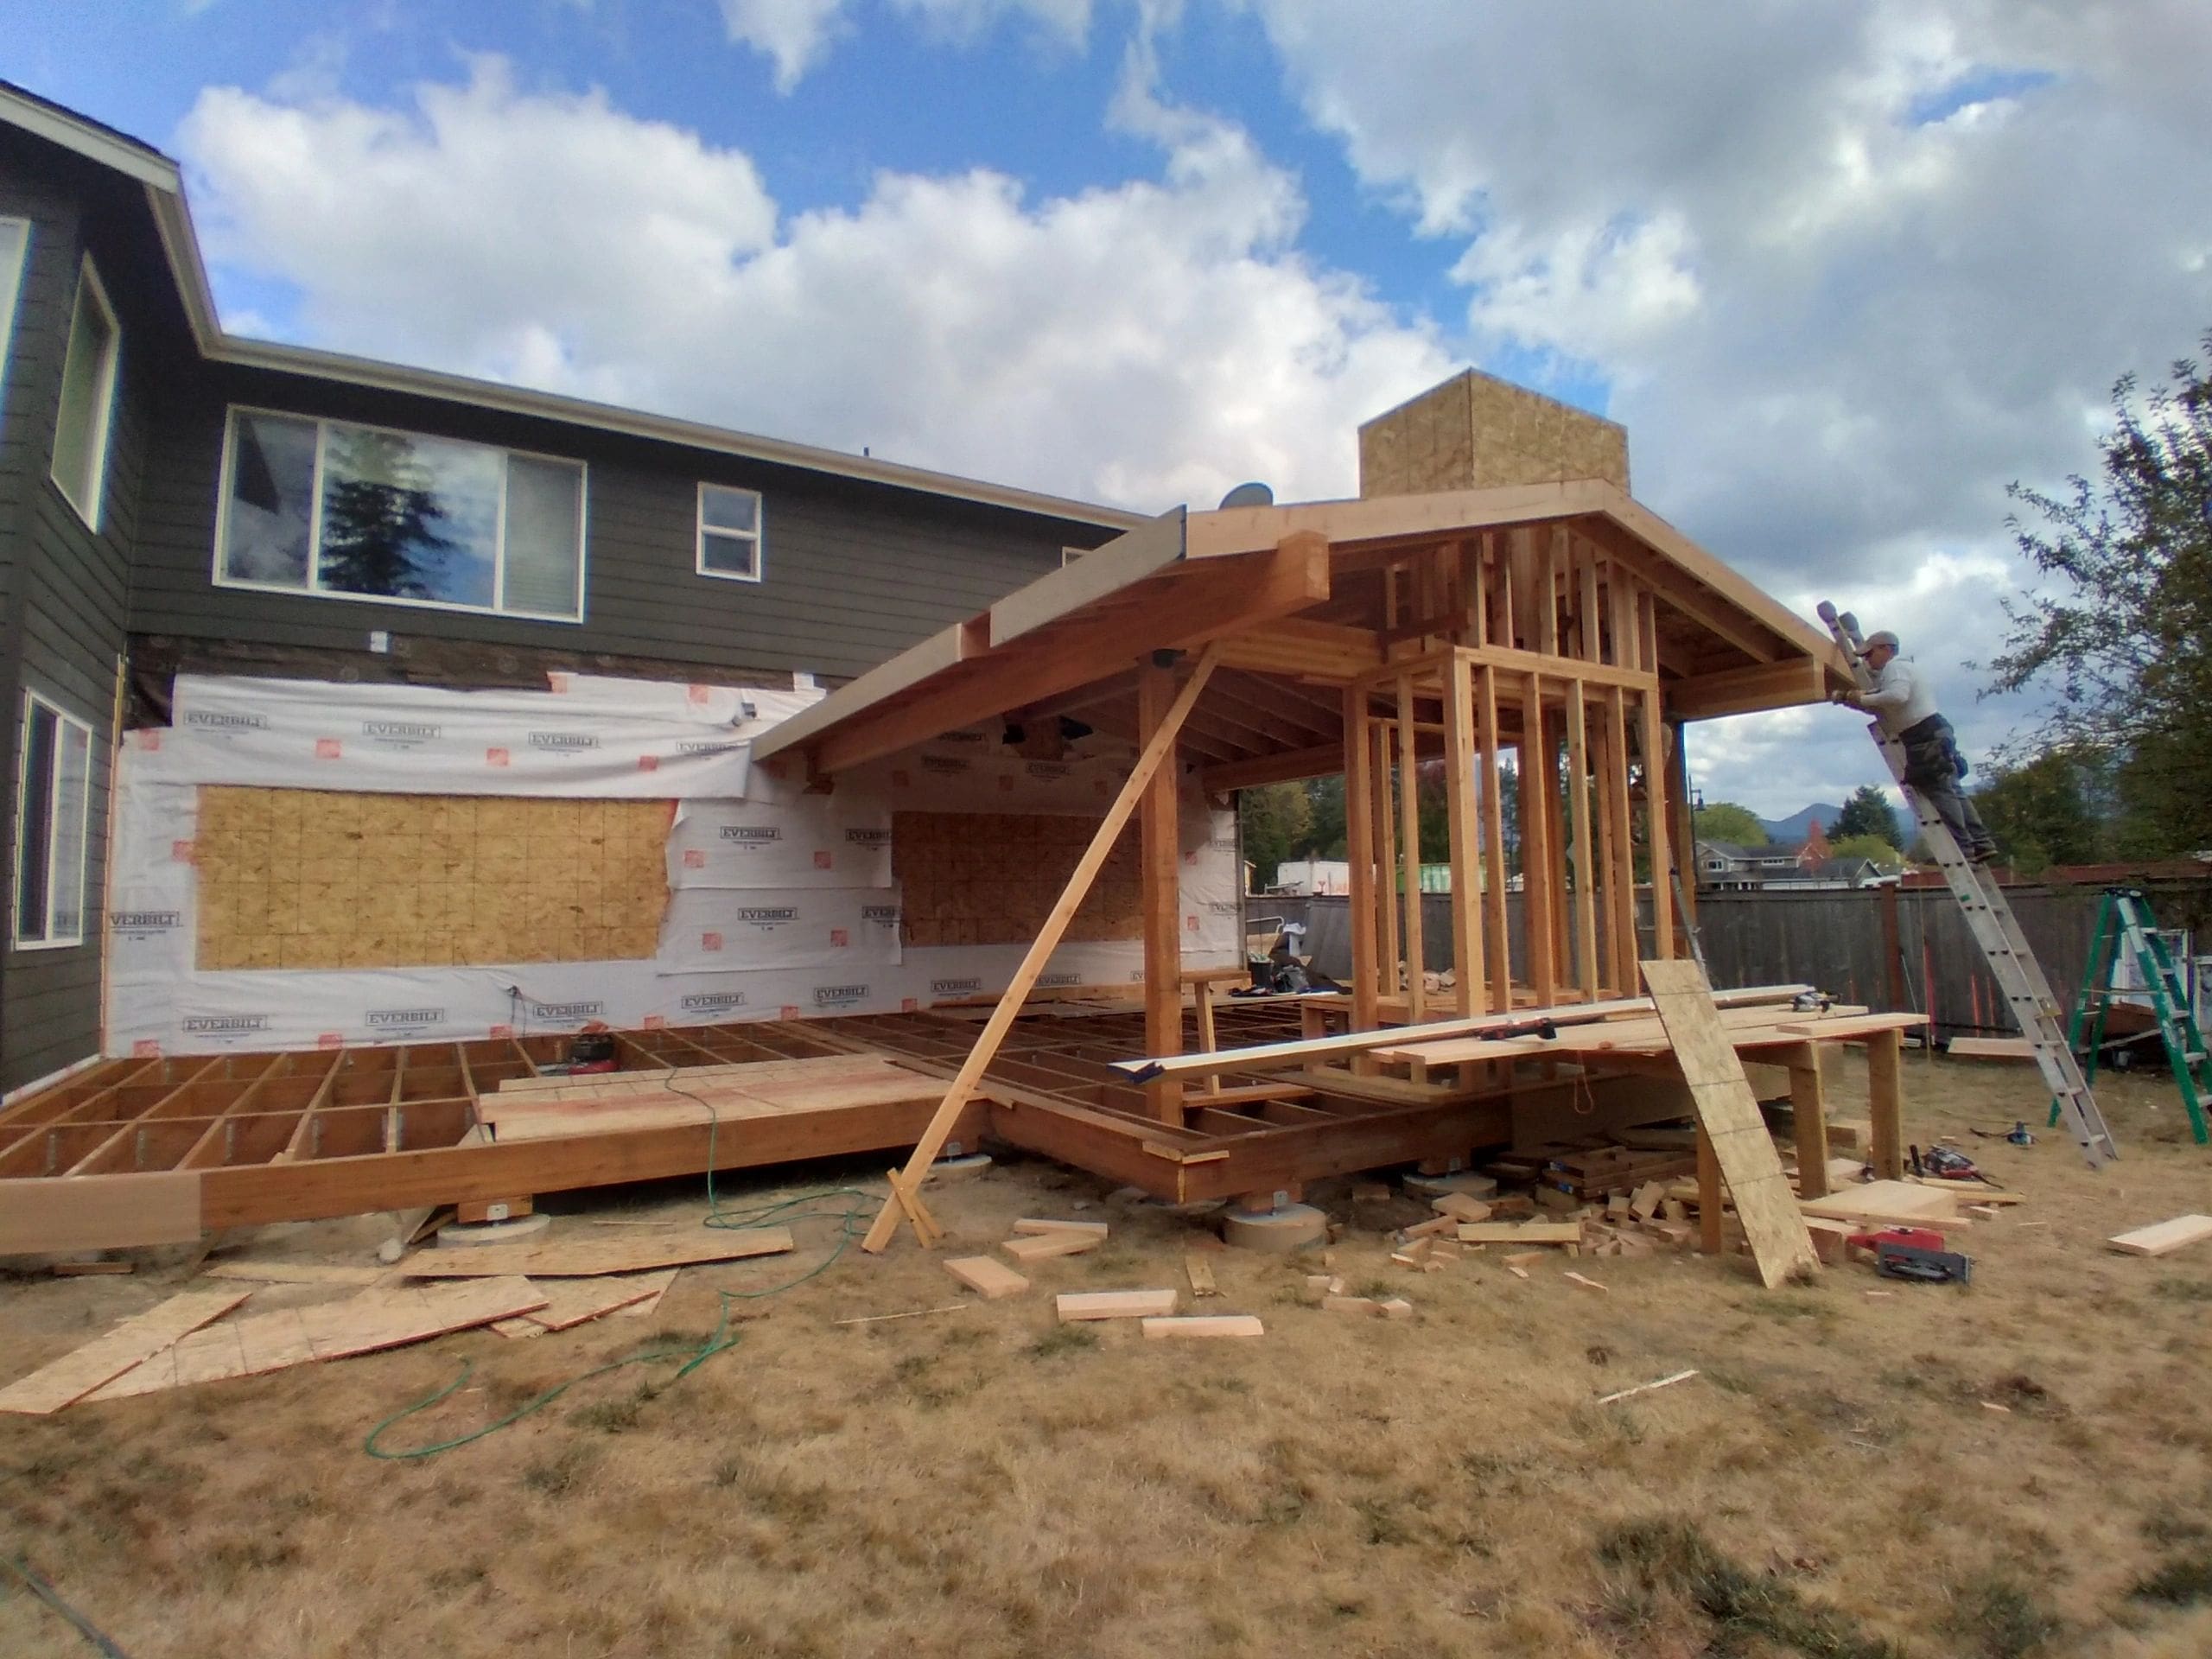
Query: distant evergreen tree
{"type": "Point", "coordinates": [1866, 813]}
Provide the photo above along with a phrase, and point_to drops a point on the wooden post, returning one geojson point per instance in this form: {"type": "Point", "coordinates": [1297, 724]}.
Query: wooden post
{"type": "Point", "coordinates": [1808, 1109]}
{"type": "Point", "coordinates": [1359, 846]}
{"type": "Point", "coordinates": [1461, 804]}
{"type": "Point", "coordinates": [1159, 859]}
{"type": "Point", "coordinates": [1708, 1194]}
{"type": "Point", "coordinates": [1538, 894]}
{"type": "Point", "coordinates": [1493, 895]}
{"type": "Point", "coordinates": [1886, 1102]}
{"type": "Point", "coordinates": [1620, 870]}
{"type": "Point", "coordinates": [1659, 844]}
{"type": "Point", "coordinates": [1202, 993]}
{"type": "Point", "coordinates": [1685, 826]}
{"type": "Point", "coordinates": [1893, 948]}
{"type": "Point", "coordinates": [907, 1185]}
{"type": "Point", "coordinates": [1586, 859]}
{"type": "Point", "coordinates": [1386, 857]}
{"type": "Point", "coordinates": [1409, 836]}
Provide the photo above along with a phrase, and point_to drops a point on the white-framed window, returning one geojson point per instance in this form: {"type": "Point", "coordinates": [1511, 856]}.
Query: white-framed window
{"type": "Point", "coordinates": [729, 532]}
{"type": "Point", "coordinates": [52, 827]}
{"type": "Point", "coordinates": [87, 410]}
{"type": "Point", "coordinates": [343, 511]}
{"type": "Point", "coordinates": [14, 248]}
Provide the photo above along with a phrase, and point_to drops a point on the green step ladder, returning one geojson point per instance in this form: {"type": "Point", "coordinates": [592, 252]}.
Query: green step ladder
{"type": "Point", "coordinates": [2128, 933]}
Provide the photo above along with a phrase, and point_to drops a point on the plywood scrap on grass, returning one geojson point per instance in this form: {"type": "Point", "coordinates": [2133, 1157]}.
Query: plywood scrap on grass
{"type": "Point", "coordinates": [1199, 1271]}
{"type": "Point", "coordinates": [1115, 1305]}
{"type": "Point", "coordinates": [77, 1373]}
{"type": "Point", "coordinates": [2163, 1238]}
{"type": "Point", "coordinates": [1729, 1113]}
{"type": "Point", "coordinates": [264, 1271]}
{"type": "Point", "coordinates": [300, 1336]}
{"type": "Point", "coordinates": [573, 1301]}
{"type": "Point", "coordinates": [987, 1279]}
{"type": "Point", "coordinates": [594, 1257]}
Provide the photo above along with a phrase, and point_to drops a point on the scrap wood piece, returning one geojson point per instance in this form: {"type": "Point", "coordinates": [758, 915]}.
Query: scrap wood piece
{"type": "Point", "coordinates": [1520, 1232]}
{"type": "Point", "coordinates": [988, 1278]}
{"type": "Point", "coordinates": [1458, 1206]}
{"type": "Point", "coordinates": [573, 1301]}
{"type": "Point", "coordinates": [1026, 1248]}
{"type": "Point", "coordinates": [1074, 1306]}
{"type": "Point", "coordinates": [1729, 1113]}
{"type": "Point", "coordinates": [1206, 1324]}
{"type": "Point", "coordinates": [1897, 1201]}
{"type": "Point", "coordinates": [1200, 1272]}
{"type": "Point", "coordinates": [1586, 1284]}
{"type": "Point", "coordinates": [910, 1313]}
{"type": "Point", "coordinates": [596, 1257]}
{"type": "Point", "coordinates": [269, 1271]}
{"type": "Point", "coordinates": [1645, 1388]}
{"type": "Point", "coordinates": [300, 1336]}
{"type": "Point", "coordinates": [1045, 1228]}
{"type": "Point", "coordinates": [77, 1373]}
{"type": "Point", "coordinates": [2164, 1237]}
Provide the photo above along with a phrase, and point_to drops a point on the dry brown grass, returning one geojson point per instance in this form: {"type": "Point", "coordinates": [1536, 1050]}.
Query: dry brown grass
{"type": "Point", "coordinates": [978, 1484]}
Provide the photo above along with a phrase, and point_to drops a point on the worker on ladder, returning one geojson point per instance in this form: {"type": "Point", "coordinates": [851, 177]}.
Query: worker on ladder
{"type": "Point", "coordinates": [1903, 702]}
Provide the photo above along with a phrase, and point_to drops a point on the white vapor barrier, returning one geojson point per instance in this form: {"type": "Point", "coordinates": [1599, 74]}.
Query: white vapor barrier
{"type": "Point", "coordinates": [782, 905]}
{"type": "Point", "coordinates": [658, 742]}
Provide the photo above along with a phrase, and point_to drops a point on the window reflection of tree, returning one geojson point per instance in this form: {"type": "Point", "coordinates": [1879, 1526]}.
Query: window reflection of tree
{"type": "Point", "coordinates": [380, 514]}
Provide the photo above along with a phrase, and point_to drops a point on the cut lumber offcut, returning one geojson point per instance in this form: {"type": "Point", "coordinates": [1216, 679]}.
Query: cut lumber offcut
{"type": "Point", "coordinates": [1158, 747]}
{"type": "Point", "coordinates": [576, 1301]}
{"type": "Point", "coordinates": [77, 1373]}
{"type": "Point", "coordinates": [1586, 1284]}
{"type": "Point", "coordinates": [1828, 1237]}
{"type": "Point", "coordinates": [1991, 1048]}
{"type": "Point", "coordinates": [1026, 1248]}
{"type": "Point", "coordinates": [270, 1272]}
{"type": "Point", "coordinates": [1729, 1113]}
{"type": "Point", "coordinates": [1043, 1229]}
{"type": "Point", "coordinates": [1350, 1305]}
{"type": "Point", "coordinates": [1206, 1324]}
{"type": "Point", "coordinates": [1200, 1272]}
{"type": "Point", "coordinates": [1266, 1055]}
{"type": "Point", "coordinates": [1897, 1201]}
{"type": "Point", "coordinates": [1458, 1206]}
{"type": "Point", "coordinates": [987, 1278]}
{"type": "Point", "coordinates": [597, 1256]}
{"type": "Point", "coordinates": [2163, 1238]}
{"type": "Point", "coordinates": [910, 1313]}
{"type": "Point", "coordinates": [1518, 1273]}
{"type": "Point", "coordinates": [1645, 1388]}
{"type": "Point", "coordinates": [1520, 1232]}
{"type": "Point", "coordinates": [1080, 1305]}
{"type": "Point", "coordinates": [1397, 1307]}
{"type": "Point", "coordinates": [301, 1336]}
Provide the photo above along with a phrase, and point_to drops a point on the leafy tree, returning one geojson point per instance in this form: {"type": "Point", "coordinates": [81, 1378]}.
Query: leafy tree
{"type": "Point", "coordinates": [2047, 811]}
{"type": "Point", "coordinates": [1325, 835]}
{"type": "Point", "coordinates": [1275, 818]}
{"type": "Point", "coordinates": [1866, 813]}
{"type": "Point", "coordinates": [1881, 848]}
{"type": "Point", "coordinates": [1726, 821]}
{"type": "Point", "coordinates": [379, 518]}
{"type": "Point", "coordinates": [2124, 634]}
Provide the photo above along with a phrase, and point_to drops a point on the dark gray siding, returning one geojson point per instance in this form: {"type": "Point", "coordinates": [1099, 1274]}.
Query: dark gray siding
{"type": "Point", "coordinates": [854, 572]}
{"type": "Point", "coordinates": [69, 587]}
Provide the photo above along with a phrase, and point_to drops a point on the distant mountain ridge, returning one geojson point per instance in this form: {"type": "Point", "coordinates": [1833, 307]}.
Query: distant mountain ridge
{"type": "Point", "coordinates": [1793, 829]}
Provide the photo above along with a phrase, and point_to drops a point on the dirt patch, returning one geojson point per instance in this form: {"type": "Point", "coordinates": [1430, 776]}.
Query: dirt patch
{"type": "Point", "coordinates": [977, 1483]}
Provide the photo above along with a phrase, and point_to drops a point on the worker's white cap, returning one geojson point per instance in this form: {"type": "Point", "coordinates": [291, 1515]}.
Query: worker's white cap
{"type": "Point", "coordinates": [1884, 638]}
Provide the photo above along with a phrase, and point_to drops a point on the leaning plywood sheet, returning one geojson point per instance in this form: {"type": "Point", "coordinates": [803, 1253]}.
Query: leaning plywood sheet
{"type": "Point", "coordinates": [300, 1336]}
{"type": "Point", "coordinates": [1730, 1115]}
{"type": "Point", "coordinates": [2165, 1238]}
{"type": "Point", "coordinates": [77, 1374]}
{"type": "Point", "coordinates": [1899, 1201]}
{"type": "Point", "coordinates": [573, 1301]}
{"type": "Point", "coordinates": [589, 1258]}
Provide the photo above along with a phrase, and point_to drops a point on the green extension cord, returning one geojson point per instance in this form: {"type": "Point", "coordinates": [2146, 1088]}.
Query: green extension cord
{"type": "Point", "coordinates": [790, 1211]}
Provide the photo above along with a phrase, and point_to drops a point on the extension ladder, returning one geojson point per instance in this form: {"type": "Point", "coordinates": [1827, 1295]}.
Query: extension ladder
{"type": "Point", "coordinates": [1997, 932]}
{"type": "Point", "coordinates": [2125, 925]}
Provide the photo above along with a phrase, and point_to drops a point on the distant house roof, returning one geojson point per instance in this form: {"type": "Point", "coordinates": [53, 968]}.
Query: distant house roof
{"type": "Point", "coordinates": [164, 186]}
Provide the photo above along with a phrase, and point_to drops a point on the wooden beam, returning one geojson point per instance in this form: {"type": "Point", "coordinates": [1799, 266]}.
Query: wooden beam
{"type": "Point", "coordinates": [1409, 835]}
{"type": "Point", "coordinates": [1539, 777]}
{"type": "Point", "coordinates": [1620, 874]}
{"type": "Point", "coordinates": [1158, 751]}
{"type": "Point", "coordinates": [1585, 856]}
{"type": "Point", "coordinates": [1809, 1114]}
{"type": "Point", "coordinates": [1379, 808]}
{"type": "Point", "coordinates": [1658, 842]}
{"type": "Point", "coordinates": [1462, 808]}
{"type": "Point", "coordinates": [1160, 858]}
{"type": "Point", "coordinates": [1684, 826]}
{"type": "Point", "coordinates": [1359, 840]}
{"type": "Point", "coordinates": [1287, 766]}
{"type": "Point", "coordinates": [1493, 804]}
{"type": "Point", "coordinates": [1784, 685]}
{"type": "Point", "coordinates": [1885, 1102]}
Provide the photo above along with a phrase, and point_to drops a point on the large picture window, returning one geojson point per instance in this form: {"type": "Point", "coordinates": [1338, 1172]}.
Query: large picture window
{"type": "Point", "coordinates": [87, 408]}
{"type": "Point", "coordinates": [729, 532]}
{"type": "Point", "coordinates": [363, 512]}
{"type": "Point", "coordinates": [52, 825]}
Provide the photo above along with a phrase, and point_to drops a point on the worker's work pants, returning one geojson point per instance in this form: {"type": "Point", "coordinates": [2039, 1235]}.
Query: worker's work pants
{"type": "Point", "coordinates": [1931, 772]}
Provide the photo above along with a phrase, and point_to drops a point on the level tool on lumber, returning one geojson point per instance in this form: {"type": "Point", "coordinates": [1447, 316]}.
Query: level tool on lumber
{"type": "Point", "coordinates": [2127, 933]}
{"type": "Point", "coordinates": [1990, 919]}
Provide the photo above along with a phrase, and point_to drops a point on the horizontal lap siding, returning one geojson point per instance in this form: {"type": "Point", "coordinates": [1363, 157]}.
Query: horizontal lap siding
{"type": "Point", "coordinates": [855, 572]}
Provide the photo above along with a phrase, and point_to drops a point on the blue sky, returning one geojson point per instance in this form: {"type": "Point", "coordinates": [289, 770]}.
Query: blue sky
{"type": "Point", "coordinates": [1844, 273]}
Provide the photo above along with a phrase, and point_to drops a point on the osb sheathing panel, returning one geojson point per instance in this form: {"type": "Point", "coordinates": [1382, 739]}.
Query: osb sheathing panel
{"type": "Point", "coordinates": [1476, 432]}
{"type": "Point", "coordinates": [295, 878]}
{"type": "Point", "coordinates": [991, 878]}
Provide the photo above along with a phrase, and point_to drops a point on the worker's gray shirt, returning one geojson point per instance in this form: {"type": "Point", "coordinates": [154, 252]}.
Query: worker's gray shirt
{"type": "Point", "coordinates": [1902, 696]}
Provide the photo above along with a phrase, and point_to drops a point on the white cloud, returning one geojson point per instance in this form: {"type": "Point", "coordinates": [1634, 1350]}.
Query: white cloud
{"type": "Point", "coordinates": [798, 35]}
{"type": "Point", "coordinates": [1835, 328]}
{"type": "Point", "coordinates": [1146, 344]}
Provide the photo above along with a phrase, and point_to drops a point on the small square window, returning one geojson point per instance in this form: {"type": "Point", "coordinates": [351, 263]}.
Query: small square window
{"type": "Point", "coordinates": [729, 532]}
{"type": "Point", "coordinates": [81, 425]}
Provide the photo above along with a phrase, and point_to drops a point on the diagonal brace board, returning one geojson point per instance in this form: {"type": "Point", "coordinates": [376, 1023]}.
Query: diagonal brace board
{"type": "Point", "coordinates": [1156, 754]}
{"type": "Point", "coordinates": [1729, 1114]}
